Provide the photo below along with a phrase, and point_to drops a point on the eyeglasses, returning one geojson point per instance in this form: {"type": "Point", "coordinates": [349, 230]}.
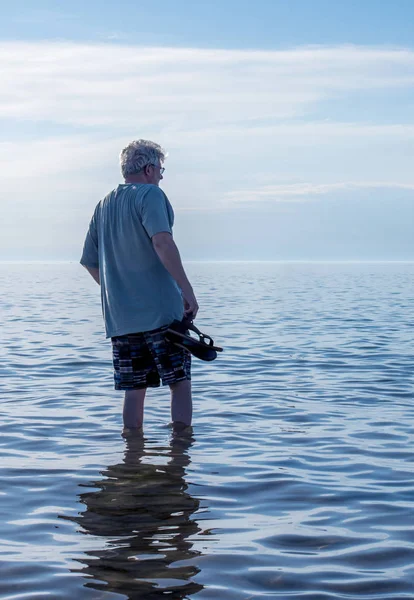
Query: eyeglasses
{"type": "Point", "coordinates": [162, 169]}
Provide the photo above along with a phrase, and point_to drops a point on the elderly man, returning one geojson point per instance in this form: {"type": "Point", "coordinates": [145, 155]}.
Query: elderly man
{"type": "Point", "coordinates": [129, 250]}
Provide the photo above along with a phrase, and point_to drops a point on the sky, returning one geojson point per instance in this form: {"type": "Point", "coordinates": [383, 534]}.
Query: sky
{"type": "Point", "coordinates": [289, 124]}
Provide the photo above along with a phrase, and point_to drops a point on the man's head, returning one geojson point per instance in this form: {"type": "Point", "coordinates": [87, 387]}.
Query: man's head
{"type": "Point", "coordinates": [141, 162]}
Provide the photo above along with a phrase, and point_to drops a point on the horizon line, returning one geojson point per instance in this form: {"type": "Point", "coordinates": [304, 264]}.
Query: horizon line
{"type": "Point", "coordinates": [275, 261]}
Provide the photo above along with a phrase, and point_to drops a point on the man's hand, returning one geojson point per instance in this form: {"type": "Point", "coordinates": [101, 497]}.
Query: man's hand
{"type": "Point", "coordinates": [190, 304]}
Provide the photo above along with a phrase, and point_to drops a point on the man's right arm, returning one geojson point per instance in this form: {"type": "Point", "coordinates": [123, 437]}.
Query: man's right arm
{"type": "Point", "coordinates": [169, 255]}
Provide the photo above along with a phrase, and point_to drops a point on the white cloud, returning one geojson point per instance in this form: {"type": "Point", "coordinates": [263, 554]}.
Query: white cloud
{"type": "Point", "coordinates": [299, 192]}
{"type": "Point", "coordinates": [240, 127]}
{"type": "Point", "coordinates": [207, 171]}
{"type": "Point", "coordinates": [184, 88]}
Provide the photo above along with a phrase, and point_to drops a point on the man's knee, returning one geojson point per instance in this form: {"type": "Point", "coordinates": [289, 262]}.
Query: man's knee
{"type": "Point", "coordinates": [184, 383]}
{"type": "Point", "coordinates": [135, 394]}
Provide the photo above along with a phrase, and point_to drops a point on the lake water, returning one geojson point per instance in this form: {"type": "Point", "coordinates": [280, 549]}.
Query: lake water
{"type": "Point", "coordinates": [296, 483]}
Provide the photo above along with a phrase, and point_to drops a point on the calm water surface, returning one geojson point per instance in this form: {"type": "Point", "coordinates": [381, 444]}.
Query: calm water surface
{"type": "Point", "coordinates": [296, 483]}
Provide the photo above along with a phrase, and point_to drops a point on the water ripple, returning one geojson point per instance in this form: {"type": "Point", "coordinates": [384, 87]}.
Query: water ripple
{"type": "Point", "coordinates": [297, 482]}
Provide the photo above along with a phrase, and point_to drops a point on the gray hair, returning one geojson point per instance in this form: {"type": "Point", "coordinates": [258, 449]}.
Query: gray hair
{"type": "Point", "coordinates": [138, 154]}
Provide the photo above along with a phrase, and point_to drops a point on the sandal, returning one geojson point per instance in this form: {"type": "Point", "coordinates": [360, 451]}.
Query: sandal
{"type": "Point", "coordinates": [203, 348]}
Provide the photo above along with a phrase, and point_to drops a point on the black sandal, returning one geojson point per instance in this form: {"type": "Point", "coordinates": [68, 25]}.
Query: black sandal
{"type": "Point", "coordinates": [203, 348]}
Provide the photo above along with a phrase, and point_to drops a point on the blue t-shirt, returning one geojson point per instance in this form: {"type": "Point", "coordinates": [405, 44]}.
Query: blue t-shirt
{"type": "Point", "coordinates": [137, 292]}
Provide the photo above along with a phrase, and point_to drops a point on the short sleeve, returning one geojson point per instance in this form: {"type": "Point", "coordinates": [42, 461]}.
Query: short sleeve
{"type": "Point", "coordinates": [156, 212]}
{"type": "Point", "coordinates": [90, 257]}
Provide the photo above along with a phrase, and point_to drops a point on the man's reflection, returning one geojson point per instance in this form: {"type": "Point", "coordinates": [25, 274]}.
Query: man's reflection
{"type": "Point", "coordinates": [144, 511]}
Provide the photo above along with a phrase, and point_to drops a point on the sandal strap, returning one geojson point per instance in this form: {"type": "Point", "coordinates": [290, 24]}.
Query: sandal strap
{"type": "Point", "coordinates": [202, 336]}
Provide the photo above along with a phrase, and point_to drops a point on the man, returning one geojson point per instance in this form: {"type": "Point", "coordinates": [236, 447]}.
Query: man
{"type": "Point", "coordinates": [129, 250]}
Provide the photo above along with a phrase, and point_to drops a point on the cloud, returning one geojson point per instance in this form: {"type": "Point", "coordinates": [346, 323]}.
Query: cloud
{"type": "Point", "coordinates": [115, 36]}
{"type": "Point", "coordinates": [300, 192]}
{"type": "Point", "coordinates": [116, 85]}
{"type": "Point", "coordinates": [244, 129]}
{"type": "Point", "coordinates": [207, 172]}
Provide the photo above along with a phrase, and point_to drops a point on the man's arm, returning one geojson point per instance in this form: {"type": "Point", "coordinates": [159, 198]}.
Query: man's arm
{"type": "Point", "coordinates": [169, 255]}
{"type": "Point", "coordinates": [90, 254]}
{"type": "Point", "coordinates": [94, 272]}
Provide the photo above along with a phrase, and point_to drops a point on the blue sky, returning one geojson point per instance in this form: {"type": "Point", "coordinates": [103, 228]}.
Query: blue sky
{"type": "Point", "coordinates": [289, 125]}
{"type": "Point", "coordinates": [264, 24]}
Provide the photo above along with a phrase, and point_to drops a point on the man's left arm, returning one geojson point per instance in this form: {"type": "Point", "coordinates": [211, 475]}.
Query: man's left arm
{"type": "Point", "coordinates": [90, 254]}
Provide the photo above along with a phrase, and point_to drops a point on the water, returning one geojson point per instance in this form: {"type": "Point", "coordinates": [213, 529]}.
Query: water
{"type": "Point", "coordinates": [297, 482]}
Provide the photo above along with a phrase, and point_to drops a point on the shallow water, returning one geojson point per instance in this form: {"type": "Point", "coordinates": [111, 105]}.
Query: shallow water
{"type": "Point", "coordinates": [297, 482]}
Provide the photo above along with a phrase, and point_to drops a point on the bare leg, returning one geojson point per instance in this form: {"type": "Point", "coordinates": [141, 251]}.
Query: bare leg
{"type": "Point", "coordinates": [134, 408]}
{"type": "Point", "coordinates": [181, 403]}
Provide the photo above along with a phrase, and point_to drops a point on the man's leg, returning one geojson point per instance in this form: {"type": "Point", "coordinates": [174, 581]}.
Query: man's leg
{"type": "Point", "coordinates": [181, 402]}
{"type": "Point", "coordinates": [133, 412]}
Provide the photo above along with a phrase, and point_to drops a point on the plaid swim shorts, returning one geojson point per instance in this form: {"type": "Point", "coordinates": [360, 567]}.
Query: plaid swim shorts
{"type": "Point", "coordinates": [142, 360]}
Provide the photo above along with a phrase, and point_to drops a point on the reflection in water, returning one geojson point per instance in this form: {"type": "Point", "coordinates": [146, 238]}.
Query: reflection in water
{"type": "Point", "coordinates": [144, 511]}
